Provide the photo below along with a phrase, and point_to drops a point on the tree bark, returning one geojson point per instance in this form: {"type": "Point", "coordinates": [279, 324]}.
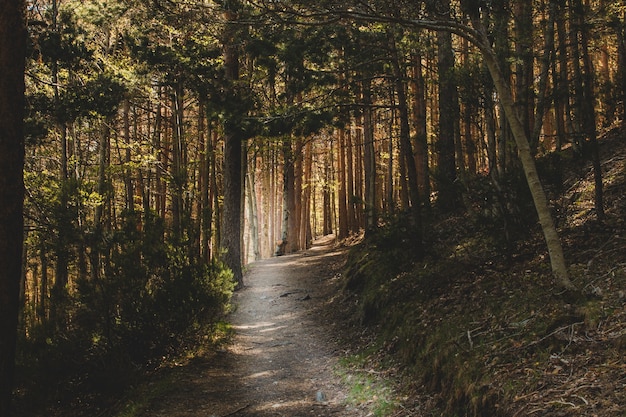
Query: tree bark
{"type": "Point", "coordinates": [12, 61]}
{"type": "Point", "coordinates": [555, 250]}
{"type": "Point", "coordinates": [369, 164]}
{"type": "Point", "coordinates": [341, 187]}
{"type": "Point", "coordinates": [589, 113]}
{"type": "Point", "coordinates": [448, 119]}
{"type": "Point", "coordinates": [406, 150]}
{"type": "Point", "coordinates": [419, 124]}
{"type": "Point", "coordinates": [231, 221]}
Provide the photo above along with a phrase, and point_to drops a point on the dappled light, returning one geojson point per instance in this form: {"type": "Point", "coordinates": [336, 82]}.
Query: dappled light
{"type": "Point", "coordinates": [312, 208]}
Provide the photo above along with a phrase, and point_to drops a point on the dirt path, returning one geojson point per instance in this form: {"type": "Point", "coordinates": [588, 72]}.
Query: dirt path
{"type": "Point", "coordinates": [284, 353]}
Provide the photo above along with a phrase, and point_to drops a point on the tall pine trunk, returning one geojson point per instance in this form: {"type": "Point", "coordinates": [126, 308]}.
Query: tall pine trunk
{"type": "Point", "coordinates": [418, 86]}
{"type": "Point", "coordinates": [448, 120]}
{"type": "Point", "coordinates": [231, 220]}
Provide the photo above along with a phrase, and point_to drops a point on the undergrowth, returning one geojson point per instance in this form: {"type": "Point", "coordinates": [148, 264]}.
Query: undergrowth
{"type": "Point", "coordinates": [488, 333]}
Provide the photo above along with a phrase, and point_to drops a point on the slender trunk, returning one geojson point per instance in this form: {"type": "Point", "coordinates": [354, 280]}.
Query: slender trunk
{"type": "Point", "coordinates": [289, 234]}
{"type": "Point", "coordinates": [327, 213]}
{"type": "Point", "coordinates": [589, 112]}
{"type": "Point", "coordinates": [231, 222]}
{"type": "Point", "coordinates": [543, 76]}
{"type": "Point", "coordinates": [128, 180]}
{"type": "Point", "coordinates": [305, 221]}
{"type": "Point", "coordinates": [179, 170]}
{"type": "Point", "coordinates": [421, 134]}
{"type": "Point", "coordinates": [297, 190]}
{"type": "Point", "coordinates": [353, 225]}
{"type": "Point", "coordinates": [448, 119]}
{"type": "Point", "coordinates": [253, 215]}
{"type": "Point", "coordinates": [369, 161]}
{"type": "Point", "coordinates": [214, 214]}
{"type": "Point", "coordinates": [555, 250]}
{"type": "Point", "coordinates": [524, 65]}
{"type": "Point", "coordinates": [341, 188]}
{"type": "Point", "coordinates": [406, 149]}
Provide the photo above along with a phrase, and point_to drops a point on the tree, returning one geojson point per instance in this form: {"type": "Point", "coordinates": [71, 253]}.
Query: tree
{"type": "Point", "coordinates": [12, 62]}
{"type": "Point", "coordinates": [231, 227]}
{"type": "Point", "coordinates": [448, 116]}
{"type": "Point", "coordinates": [477, 34]}
{"type": "Point", "coordinates": [555, 249]}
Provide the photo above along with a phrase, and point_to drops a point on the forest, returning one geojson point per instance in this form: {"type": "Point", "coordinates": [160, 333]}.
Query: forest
{"type": "Point", "coordinates": [170, 143]}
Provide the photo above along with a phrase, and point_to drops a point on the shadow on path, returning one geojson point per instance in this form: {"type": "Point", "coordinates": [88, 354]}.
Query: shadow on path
{"type": "Point", "coordinates": [283, 356]}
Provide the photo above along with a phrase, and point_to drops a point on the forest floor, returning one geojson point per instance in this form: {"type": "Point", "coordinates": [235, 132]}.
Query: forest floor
{"type": "Point", "coordinates": [284, 357]}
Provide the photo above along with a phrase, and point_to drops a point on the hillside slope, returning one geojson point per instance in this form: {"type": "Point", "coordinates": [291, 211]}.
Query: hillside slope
{"type": "Point", "coordinates": [480, 332]}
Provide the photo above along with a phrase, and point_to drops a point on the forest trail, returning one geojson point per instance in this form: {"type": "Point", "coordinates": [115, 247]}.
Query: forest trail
{"type": "Point", "coordinates": [283, 357]}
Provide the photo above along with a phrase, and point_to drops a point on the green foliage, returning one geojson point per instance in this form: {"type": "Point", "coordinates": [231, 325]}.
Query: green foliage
{"type": "Point", "coordinates": [366, 386]}
{"type": "Point", "coordinates": [101, 95]}
{"type": "Point", "coordinates": [153, 293]}
{"type": "Point", "coordinates": [63, 44]}
{"type": "Point", "coordinates": [143, 304]}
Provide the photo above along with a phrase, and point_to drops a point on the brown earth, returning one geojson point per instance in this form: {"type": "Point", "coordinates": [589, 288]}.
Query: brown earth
{"type": "Point", "coordinates": [285, 351]}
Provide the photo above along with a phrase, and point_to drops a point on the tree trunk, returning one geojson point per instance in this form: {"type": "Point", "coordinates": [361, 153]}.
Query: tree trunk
{"type": "Point", "coordinates": [369, 164]}
{"type": "Point", "coordinates": [589, 113]}
{"type": "Point", "coordinates": [353, 224]}
{"type": "Point", "coordinates": [524, 65]}
{"type": "Point", "coordinates": [231, 222]}
{"type": "Point", "coordinates": [305, 220]}
{"type": "Point", "coordinates": [297, 190]}
{"type": "Point", "coordinates": [419, 124]}
{"type": "Point", "coordinates": [12, 53]}
{"type": "Point", "coordinates": [341, 188]}
{"type": "Point", "coordinates": [543, 76]}
{"type": "Point", "coordinates": [253, 215]}
{"type": "Point", "coordinates": [204, 204]}
{"type": "Point", "coordinates": [179, 171]}
{"type": "Point", "coordinates": [448, 118]}
{"type": "Point", "coordinates": [555, 250]}
{"type": "Point", "coordinates": [406, 150]}
{"type": "Point", "coordinates": [289, 233]}
{"type": "Point", "coordinates": [128, 180]}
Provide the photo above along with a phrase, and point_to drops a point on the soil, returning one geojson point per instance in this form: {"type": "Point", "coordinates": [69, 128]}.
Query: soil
{"type": "Point", "coordinates": [283, 357]}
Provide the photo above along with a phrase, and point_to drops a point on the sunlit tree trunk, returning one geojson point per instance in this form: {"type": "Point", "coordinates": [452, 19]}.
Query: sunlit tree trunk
{"type": "Point", "coordinates": [341, 187]}
{"type": "Point", "coordinates": [297, 188]}
{"type": "Point", "coordinates": [327, 227]}
{"type": "Point", "coordinates": [252, 211]}
{"type": "Point", "coordinates": [353, 225]}
{"type": "Point", "coordinates": [289, 235]}
{"type": "Point", "coordinates": [369, 162]}
{"type": "Point", "coordinates": [179, 170]}
{"type": "Point", "coordinates": [406, 150]}
{"type": "Point", "coordinates": [128, 179]}
{"type": "Point", "coordinates": [305, 220]}
{"type": "Point", "coordinates": [555, 250]}
{"type": "Point", "coordinates": [215, 215]}
{"type": "Point", "coordinates": [203, 209]}
{"type": "Point", "coordinates": [590, 120]}
{"type": "Point", "coordinates": [420, 125]}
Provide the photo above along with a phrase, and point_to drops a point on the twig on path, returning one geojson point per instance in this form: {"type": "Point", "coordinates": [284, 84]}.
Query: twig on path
{"type": "Point", "coordinates": [232, 413]}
